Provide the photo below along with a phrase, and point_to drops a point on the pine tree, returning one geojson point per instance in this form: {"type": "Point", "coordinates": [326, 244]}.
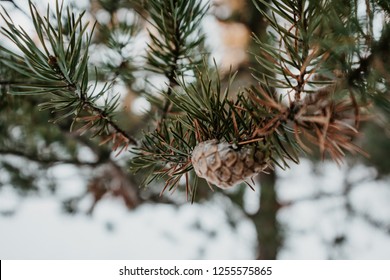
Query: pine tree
{"type": "Point", "coordinates": [320, 69]}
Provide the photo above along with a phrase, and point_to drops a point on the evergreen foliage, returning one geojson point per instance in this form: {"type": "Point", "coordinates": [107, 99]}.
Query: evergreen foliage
{"type": "Point", "coordinates": [60, 68]}
{"type": "Point", "coordinates": [321, 67]}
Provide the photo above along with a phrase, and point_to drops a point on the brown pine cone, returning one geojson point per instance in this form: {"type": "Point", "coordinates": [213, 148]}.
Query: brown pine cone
{"type": "Point", "coordinates": [222, 165]}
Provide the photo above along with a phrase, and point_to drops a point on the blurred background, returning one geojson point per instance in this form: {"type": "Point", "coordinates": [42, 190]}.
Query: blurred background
{"type": "Point", "coordinates": [64, 196]}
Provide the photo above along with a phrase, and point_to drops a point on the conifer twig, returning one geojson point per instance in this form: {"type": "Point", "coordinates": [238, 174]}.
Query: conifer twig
{"type": "Point", "coordinates": [58, 65]}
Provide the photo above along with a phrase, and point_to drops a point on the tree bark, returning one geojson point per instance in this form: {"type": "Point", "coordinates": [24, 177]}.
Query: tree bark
{"type": "Point", "coordinates": [265, 220]}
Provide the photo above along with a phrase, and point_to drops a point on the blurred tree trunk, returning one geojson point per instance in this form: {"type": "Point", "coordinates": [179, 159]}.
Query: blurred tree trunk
{"type": "Point", "coordinates": [265, 220]}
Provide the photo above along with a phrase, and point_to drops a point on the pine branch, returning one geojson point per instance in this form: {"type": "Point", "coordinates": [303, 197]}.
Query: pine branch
{"type": "Point", "coordinates": [175, 49]}
{"type": "Point", "coordinates": [165, 154]}
{"type": "Point", "coordinates": [117, 35]}
{"type": "Point", "coordinates": [59, 67]}
{"type": "Point", "coordinates": [299, 61]}
{"type": "Point", "coordinates": [206, 114]}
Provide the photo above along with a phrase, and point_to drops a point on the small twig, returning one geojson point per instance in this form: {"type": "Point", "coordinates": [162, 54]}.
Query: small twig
{"type": "Point", "coordinates": [250, 141]}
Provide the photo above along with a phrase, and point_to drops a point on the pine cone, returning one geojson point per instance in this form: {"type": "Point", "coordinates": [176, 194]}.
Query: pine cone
{"type": "Point", "coordinates": [222, 165]}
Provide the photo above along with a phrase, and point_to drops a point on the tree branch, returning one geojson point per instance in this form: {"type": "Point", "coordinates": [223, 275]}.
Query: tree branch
{"type": "Point", "coordinates": [92, 107]}
{"type": "Point", "coordinates": [370, 220]}
{"type": "Point", "coordinates": [349, 207]}
{"type": "Point", "coordinates": [16, 6]}
{"type": "Point", "coordinates": [47, 160]}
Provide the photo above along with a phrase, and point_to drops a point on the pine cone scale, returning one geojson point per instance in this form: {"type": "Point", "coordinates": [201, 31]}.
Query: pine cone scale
{"type": "Point", "coordinates": [222, 165]}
